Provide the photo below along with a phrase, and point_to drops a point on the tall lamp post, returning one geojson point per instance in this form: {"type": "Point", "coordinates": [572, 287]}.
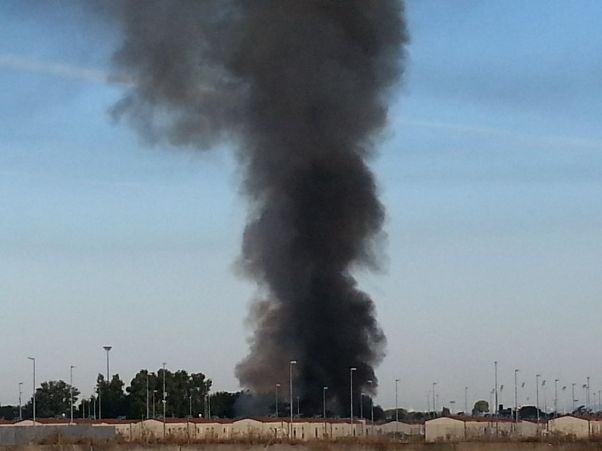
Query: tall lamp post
{"type": "Point", "coordinates": [362, 394]}
{"type": "Point", "coordinates": [277, 387]}
{"type": "Point", "coordinates": [290, 374]}
{"type": "Point", "coordinates": [351, 370]}
{"type": "Point", "coordinates": [465, 400]}
{"type": "Point", "coordinates": [496, 391]}
{"type": "Point", "coordinates": [324, 402]}
{"type": "Point", "coordinates": [147, 395]}
{"type": "Point", "coordinates": [537, 376]}
{"type": "Point", "coordinates": [434, 405]}
{"type": "Point", "coordinates": [573, 398]}
{"type": "Point", "coordinates": [20, 405]}
{"type": "Point", "coordinates": [33, 360]}
{"type": "Point", "coordinates": [107, 349]}
{"type": "Point", "coordinates": [164, 399]}
{"type": "Point", "coordinates": [396, 408]}
{"type": "Point", "coordinates": [516, 395]}
{"type": "Point", "coordinates": [556, 397]}
{"type": "Point", "coordinates": [71, 391]}
{"type": "Point", "coordinates": [370, 382]}
{"type": "Point", "coordinates": [154, 403]}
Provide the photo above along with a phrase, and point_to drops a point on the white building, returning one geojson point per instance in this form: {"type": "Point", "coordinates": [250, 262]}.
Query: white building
{"type": "Point", "coordinates": [570, 425]}
{"type": "Point", "coordinates": [445, 429]}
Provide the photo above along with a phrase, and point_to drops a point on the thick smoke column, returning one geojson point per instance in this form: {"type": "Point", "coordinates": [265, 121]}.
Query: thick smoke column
{"type": "Point", "coordinates": [300, 86]}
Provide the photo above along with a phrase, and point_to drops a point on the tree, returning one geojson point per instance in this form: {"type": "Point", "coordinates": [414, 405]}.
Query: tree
{"type": "Point", "coordinates": [9, 412]}
{"type": "Point", "coordinates": [183, 391]}
{"type": "Point", "coordinates": [223, 404]}
{"type": "Point", "coordinates": [390, 414]}
{"type": "Point", "coordinates": [113, 400]}
{"type": "Point", "coordinates": [53, 399]}
{"type": "Point", "coordinates": [480, 407]}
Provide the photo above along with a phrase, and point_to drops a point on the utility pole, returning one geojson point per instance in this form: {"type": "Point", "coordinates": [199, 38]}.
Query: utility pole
{"type": "Point", "coordinates": [555, 397]}
{"type": "Point", "coordinates": [324, 402]}
{"type": "Point", "coordinates": [277, 387]}
{"type": "Point", "coordinates": [20, 406]}
{"type": "Point", "coordinates": [147, 406]}
{"type": "Point", "coordinates": [71, 391]}
{"type": "Point", "coordinates": [516, 395]}
{"type": "Point", "coordinates": [33, 359]}
{"type": "Point", "coordinates": [434, 405]}
{"type": "Point", "coordinates": [573, 394]}
{"type": "Point", "coordinates": [587, 400]}
{"type": "Point", "coordinates": [537, 376]}
{"type": "Point", "coordinates": [351, 370]}
{"type": "Point", "coordinates": [496, 388]}
{"type": "Point", "coordinates": [290, 371]}
{"type": "Point", "coordinates": [164, 400]}
{"type": "Point", "coordinates": [370, 382]}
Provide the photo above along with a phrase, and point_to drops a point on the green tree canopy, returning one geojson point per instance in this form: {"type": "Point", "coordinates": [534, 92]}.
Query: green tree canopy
{"type": "Point", "coordinates": [184, 392]}
{"type": "Point", "coordinates": [52, 400]}
{"type": "Point", "coordinates": [223, 404]}
{"type": "Point", "coordinates": [113, 399]}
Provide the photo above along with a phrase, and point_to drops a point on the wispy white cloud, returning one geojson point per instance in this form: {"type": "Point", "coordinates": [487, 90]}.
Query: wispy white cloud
{"type": "Point", "coordinates": [27, 64]}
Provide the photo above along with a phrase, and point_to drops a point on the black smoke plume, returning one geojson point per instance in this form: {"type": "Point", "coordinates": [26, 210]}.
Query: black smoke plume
{"type": "Point", "coordinates": [301, 88]}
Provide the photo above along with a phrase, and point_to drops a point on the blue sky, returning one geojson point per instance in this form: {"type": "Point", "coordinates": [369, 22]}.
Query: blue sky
{"type": "Point", "coordinates": [490, 169]}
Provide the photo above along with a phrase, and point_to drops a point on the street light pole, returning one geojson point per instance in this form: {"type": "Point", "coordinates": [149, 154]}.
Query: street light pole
{"type": "Point", "coordinates": [71, 391]}
{"type": "Point", "coordinates": [465, 400]}
{"type": "Point", "coordinates": [147, 406]}
{"type": "Point", "coordinates": [362, 405]}
{"type": "Point", "coordinates": [434, 405]}
{"type": "Point", "coordinates": [33, 359]}
{"type": "Point", "coordinates": [371, 406]}
{"type": "Point", "coordinates": [573, 394]}
{"type": "Point", "coordinates": [396, 401]}
{"type": "Point", "coordinates": [324, 402]}
{"type": "Point", "coordinates": [20, 407]}
{"type": "Point", "coordinates": [556, 397]}
{"type": "Point", "coordinates": [516, 395]}
{"type": "Point", "coordinates": [290, 374]}
{"type": "Point", "coordinates": [496, 395]}
{"type": "Point", "coordinates": [277, 387]}
{"type": "Point", "coordinates": [154, 404]}
{"type": "Point", "coordinates": [396, 408]}
{"type": "Point", "coordinates": [107, 348]}
{"type": "Point", "coordinates": [587, 400]}
{"type": "Point", "coordinates": [351, 370]}
{"type": "Point", "coordinates": [537, 376]}
{"type": "Point", "coordinates": [164, 399]}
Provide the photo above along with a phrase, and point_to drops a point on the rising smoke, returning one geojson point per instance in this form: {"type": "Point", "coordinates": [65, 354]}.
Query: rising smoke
{"type": "Point", "coordinates": [301, 88]}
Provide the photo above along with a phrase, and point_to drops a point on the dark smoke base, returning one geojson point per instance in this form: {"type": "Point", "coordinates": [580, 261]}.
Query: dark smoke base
{"type": "Point", "coordinates": [300, 87]}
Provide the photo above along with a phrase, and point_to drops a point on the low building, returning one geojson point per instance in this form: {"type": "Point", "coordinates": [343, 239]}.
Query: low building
{"type": "Point", "coordinates": [570, 425]}
{"type": "Point", "coordinates": [445, 429]}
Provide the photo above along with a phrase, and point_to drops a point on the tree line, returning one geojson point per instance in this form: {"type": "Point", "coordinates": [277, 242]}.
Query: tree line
{"type": "Point", "coordinates": [185, 394]}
